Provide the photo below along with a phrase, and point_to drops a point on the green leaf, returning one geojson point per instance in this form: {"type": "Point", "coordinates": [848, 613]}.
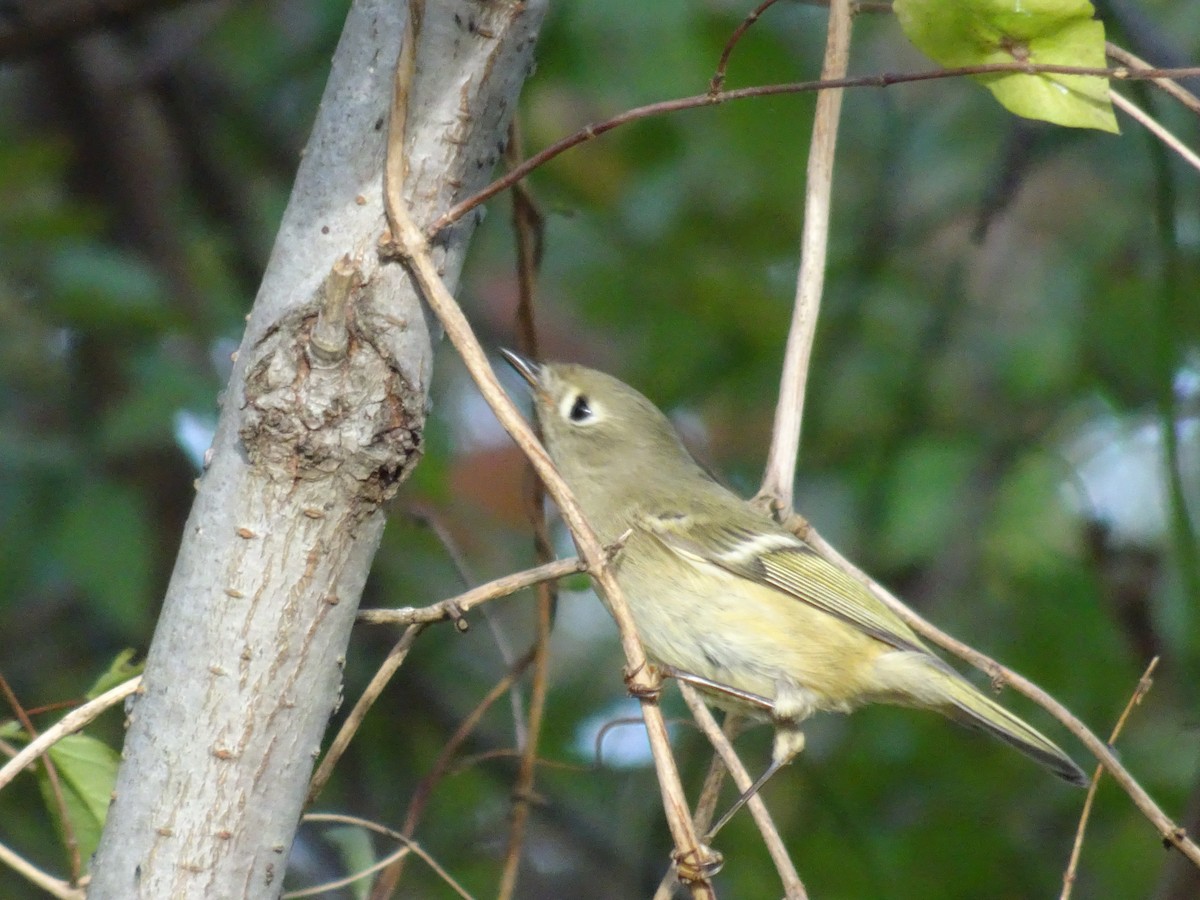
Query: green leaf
{"type": "Point", "coordinates": [1043, 32]}
{"type": "Point", "coordinates": [119, 671]}
{"type": "Point", "coordinates": [87, 772]}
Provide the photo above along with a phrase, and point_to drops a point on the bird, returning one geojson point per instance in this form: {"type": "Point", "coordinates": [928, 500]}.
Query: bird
{"type": "Point", "coordinates": [724, 596]}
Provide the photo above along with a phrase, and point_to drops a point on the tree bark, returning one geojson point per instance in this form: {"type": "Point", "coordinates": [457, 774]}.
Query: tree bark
{"type": "Point", "coordinates": [321, 422]}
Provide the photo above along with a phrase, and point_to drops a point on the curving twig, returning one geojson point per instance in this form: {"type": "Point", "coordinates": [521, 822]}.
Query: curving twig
{"type": "Point", "coordinates": [1139, 693]}
{"type": "Point", "coordinates": [697, 101]}
{"type": "Point", "coordinates": [718, 80]}
{"type": "Point", "coordinates": [408, 845]}
{"type": "Point", "coordinates": [55, 887]}
{"type": "Point", "coordinates": [424, 790]}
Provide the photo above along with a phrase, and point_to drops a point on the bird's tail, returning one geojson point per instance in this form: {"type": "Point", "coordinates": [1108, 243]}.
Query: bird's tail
{"type": "Point", "coordinates": [955, 697]}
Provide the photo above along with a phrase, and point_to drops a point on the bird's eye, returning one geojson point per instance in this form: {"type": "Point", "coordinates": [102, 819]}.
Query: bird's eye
{"type": "Point", "coordinates": [580, 410]}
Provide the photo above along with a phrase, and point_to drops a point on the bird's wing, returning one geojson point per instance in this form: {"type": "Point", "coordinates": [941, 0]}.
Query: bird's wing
{"type": "Point", "coordinates": [779, 559]}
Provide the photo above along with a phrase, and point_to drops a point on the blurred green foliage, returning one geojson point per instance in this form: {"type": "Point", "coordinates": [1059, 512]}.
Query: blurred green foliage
{"type": "Point", "coordinates": [988, 280]}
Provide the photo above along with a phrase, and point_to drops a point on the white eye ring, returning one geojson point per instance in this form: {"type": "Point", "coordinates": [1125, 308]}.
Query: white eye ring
{"type": "Point", "coordinates": [577, 409]}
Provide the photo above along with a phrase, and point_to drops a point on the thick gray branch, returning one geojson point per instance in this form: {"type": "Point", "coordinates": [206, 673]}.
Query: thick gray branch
{"type": "Point", "coordinates": [245, 666]}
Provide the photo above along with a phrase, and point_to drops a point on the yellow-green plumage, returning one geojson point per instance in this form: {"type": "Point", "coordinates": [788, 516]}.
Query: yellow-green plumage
{"type": "Point", "coordinates": [718, 590]}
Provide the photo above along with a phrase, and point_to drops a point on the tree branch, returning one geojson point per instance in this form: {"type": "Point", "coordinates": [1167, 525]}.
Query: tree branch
{"type": "Point", "coordinates": [246, 663]}
{"type": "Point", "coordinates": [35, 25]}
{"type": "Point", "coordinates": [455, 607]}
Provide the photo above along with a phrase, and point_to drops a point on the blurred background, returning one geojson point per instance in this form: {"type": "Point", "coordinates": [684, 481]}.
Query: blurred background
{"type": "Point", "coordinates": [1003, 423]}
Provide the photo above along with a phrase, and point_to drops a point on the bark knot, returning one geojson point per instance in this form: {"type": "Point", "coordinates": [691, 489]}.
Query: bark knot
{"type": "Point", "coordinates": [360, 419]}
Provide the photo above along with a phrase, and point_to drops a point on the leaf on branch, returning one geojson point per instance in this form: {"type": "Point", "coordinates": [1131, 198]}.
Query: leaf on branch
{"type": "Point", "coordinates": [1040, 32]}
{"type": "Point", "coordinates": [87, 771]}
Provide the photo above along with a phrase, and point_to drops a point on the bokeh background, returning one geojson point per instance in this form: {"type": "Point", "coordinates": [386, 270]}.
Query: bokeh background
{"type": "Point", "coordinates": [1003, 423]}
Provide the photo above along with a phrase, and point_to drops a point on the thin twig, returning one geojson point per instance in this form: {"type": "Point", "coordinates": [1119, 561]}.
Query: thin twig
{"type": "Point", "coordinates": [68, 724]}
{"type": "Point", "coordinates": [1152, 125]}
{"type": "Point", "coordinates": [780, 476]}
{"type": "Point", "coordinates": [411, 245]}
{"type": "Point", "coordinates": [362, 706]}
{"type": "Point", "coordinates": [473, 760]}
{"type": "Point", "coordinates": [1170, 85]}
{"type": "Point", "coordinates": [60, 801]}
{"type": "Point", "coordinates": [718, 80]}
{"type": "Point", "coordinates": [56, 887]}
{"type": "Point", "coordinates": [1171, 833]}
{"type": "Point", "coordinates": [431, 519]}
{"type": "Point", "coordinates": [1139, 693]}
{"type": "Point", "coordinates": [318, 890]}
{"type": "Point", "coordinates": [455, 607]}
{"type": "Point", "coordinates": [426, 515]}
{"type": "Point", "coordinates": [792, 886]}
{"type": "Point", "coordinates": [528, 228]}
{"type": "Point", "coordinates": [410, 846]}
{"type": "Point", "coordinates": [395, 165]}
{"type": "Point", "coordinates": [424, 790]}
{"type": "Point", "coordinates": [706, 803]}
{"type": "Point", "coordinates": [697, 101]}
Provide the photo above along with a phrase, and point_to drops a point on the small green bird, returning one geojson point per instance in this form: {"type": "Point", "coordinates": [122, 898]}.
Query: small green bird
{"type": "Point", "coordinates": [720, 592]}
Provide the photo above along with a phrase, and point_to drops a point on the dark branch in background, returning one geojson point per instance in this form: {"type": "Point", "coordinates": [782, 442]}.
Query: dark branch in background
{"type": "Point", "coordinates": [390, 876]}
{"type": "Point", "coordinates": [431, 519]}
{"type": "Point", "coordinates": [27, 26]}
{"type": "Point", "coordinates": [119, 129]}
{"type": "Point", "coordinates": [192, 109]}
{"type": "Point", "coordinates": [529, 231]}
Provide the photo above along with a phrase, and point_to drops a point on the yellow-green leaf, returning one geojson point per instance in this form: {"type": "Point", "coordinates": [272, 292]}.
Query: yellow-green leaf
{"type": "Point", "coordinates": [1042, 32]}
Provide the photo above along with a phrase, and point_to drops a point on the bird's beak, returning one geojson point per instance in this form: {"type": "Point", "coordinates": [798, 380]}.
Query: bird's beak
{"type": "Point", "coordinates": [526, 368]}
